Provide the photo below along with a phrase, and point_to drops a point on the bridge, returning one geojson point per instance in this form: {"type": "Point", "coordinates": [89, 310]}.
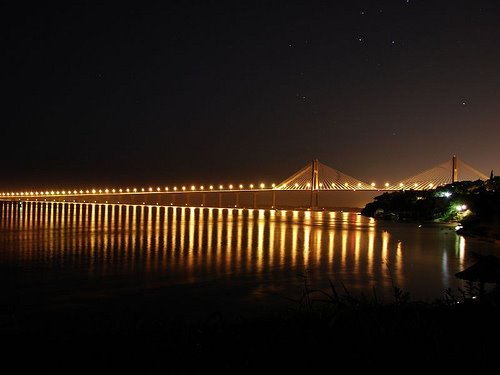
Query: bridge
{"type": "Point", "coordinates": [312, 179]}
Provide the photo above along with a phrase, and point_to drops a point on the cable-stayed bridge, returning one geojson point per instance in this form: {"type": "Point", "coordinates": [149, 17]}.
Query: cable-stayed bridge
{"type": "Point", "coordinates": [317, 176]}
{"type": "Point", "coordinates": [313, 178]}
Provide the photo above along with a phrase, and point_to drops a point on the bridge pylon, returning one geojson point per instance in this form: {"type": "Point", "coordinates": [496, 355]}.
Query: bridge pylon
{"type": "Point", "coordinates": [440, 175]}
{"type": "Point", "coordinates": [454, 169]}
{"type": "Point", "coordinates": [314, 202]}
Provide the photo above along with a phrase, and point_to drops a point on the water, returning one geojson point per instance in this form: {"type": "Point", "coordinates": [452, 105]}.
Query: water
{"type": "Point", "coordinates": [206, 259]}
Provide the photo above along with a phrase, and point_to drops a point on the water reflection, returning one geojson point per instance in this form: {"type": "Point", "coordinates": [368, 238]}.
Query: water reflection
{"type": "Point", "coordinates": [184, 245]}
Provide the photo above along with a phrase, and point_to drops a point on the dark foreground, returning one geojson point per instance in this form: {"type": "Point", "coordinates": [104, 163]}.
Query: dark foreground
{"type": "Point", "coordinates": [318, 331]}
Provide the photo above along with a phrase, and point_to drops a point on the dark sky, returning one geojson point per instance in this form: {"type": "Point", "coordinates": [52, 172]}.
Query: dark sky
{"type": "Point", "coordinates": [219, 92]}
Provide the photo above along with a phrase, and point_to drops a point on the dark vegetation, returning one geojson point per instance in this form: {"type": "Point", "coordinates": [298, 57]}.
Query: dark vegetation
{"type": "Point", "coordinates": [475, 205]}
{"type": "Point", "coordinates": [320, 329]}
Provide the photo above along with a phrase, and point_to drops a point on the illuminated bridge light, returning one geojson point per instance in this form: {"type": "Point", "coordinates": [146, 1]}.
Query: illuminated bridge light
{"type": "Point", "coordinates": [175, 188]}
{"type": "Point", "coordinates": [211, 187]}
{"type": "Point", "coordinates": [158, 189]}
{"type": "Point", "coordinates": [221, 187]}
{"type": "Point", "coordinates": [57, 193]}
{"type": "Point", "coordinates": [21, 193]}
{"type": "Point", "coordinates": [128, 190]}
{"type": "Point", "coordinates": [346, 184]}
{"type": "Point", "coordinates": [142, 189]}
{"type": "Point", "coordinates": [251, 186]}
{"type": "Point", "coordinates": [240, 186]}
{"type": "Point", "coordinates": [359, 183]}
{"type": "Point", "coordinates": [166, 188]}
{"type": "Point", "coordinates": [93, 191]}
{"type": "Point", "coordinates": [401, 184]}
{"type": "Point", "coordinates": [150, 189]}
{"type": "Point", "coordinates": [262, 186]}
{"type": "Point", "coordinates": [52, 193]}
{"type": "Point", "coordinates": [296, 184]}
{"type": "Point", "coordinates": [202, 187]}
{"type": "Point", "coordinates": [230, 187]}
{"type": "Point", "coordinates": [193, 187]}
{"type": "Point", "coordinates": [386, 184]}
{"type": "Point", "coordinates": [373, 184]}
{"type": "Point", "coordinates": [106, 190]}
{"type": "Point", "coordinates": [415, 184]}
{"type": "Point", "coordinates": [135, 190]}
{"type": "Point", "coordinates": [183, 188]}
{"type": "Point", "coordinates": [431, 185]}
{"type": "Point", "coordinates": [113, 191]}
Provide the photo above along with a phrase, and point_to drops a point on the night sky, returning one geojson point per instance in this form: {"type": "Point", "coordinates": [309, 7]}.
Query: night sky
{"type": "Point", "coordinates": [239, 92]}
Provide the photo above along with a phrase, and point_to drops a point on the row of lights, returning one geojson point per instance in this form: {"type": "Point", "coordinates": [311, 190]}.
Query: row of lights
{"type": "Point", "coordinates": [128, 190]}
{"type": "Point", "coordinates": [373, 184]}
{"type": "Point", "coordinates": [183, 188]}
{"type": "Point", "coordinates": [431, 185]}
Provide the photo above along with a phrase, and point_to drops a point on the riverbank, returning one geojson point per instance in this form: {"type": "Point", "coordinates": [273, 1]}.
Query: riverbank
{"type": "Point", "coordinates": [317, 331]}
{"type": "Point", "coordinates": [473, 205]}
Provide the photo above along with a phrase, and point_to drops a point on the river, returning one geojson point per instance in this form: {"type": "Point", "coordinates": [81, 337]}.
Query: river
{"type": "Point", "coordinates": [209, 259]}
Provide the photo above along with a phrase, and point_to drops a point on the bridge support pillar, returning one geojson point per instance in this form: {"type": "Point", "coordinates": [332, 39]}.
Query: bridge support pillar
{"type": "Point", "coordinates": [220, 200]}
{"type": "Point", "coordinates": [454, 169]}
{"type": "Point", "coordinates": [314, 185]}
